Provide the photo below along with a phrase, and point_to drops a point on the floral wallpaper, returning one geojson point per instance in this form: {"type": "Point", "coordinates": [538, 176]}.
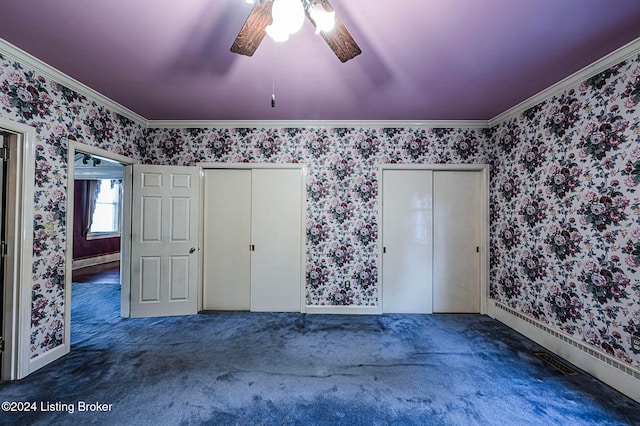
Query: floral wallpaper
{"type": "Point", "coordinates": [342, 227]}
{"type": "Point", "coordinates": [565, 211]}
{"type": "Point", "coordinates": [59, 115]}
{"type": "Point", "coordinates": [342, 186]}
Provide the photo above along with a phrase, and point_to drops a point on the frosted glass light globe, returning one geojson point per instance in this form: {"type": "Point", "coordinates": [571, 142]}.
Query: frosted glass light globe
{"type": "Point", "coordinates": [325, 21]}
{"type": "Point", "coordinates": [288, 17]}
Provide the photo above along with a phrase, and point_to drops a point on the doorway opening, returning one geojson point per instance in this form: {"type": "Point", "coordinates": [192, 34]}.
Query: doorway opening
{"type": "Point", "coordinates": [4, 141]}
{"type": "Point", "coordinates": [17, 170]}
{"type": "Point", "coordinates": [99, 192]}
{"type": "Point", "coordinates": [97, 230]}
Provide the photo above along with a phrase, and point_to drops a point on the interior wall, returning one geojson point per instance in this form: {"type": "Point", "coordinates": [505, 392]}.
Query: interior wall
{"type": "Point", "coordinates": [565, 211]}
{"type": "Point", "coordinates": [58, 115]}
{"type": "Point", "coordinates": [342, 186]}
{"type": "Point", "coordinates": [564, 201]}
{"type": "Point", "coordinates": [84, 248]}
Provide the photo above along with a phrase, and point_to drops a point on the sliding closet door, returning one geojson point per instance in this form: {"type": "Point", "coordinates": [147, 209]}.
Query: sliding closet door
{"type": "Point", "coordinates": [456, 236]}
{"type": "Point", "coordinates": [407, 240]}
{"type": "Point", "coordinates": [276, 224]}
{"type": "Point", "coordinates": [227, 238]}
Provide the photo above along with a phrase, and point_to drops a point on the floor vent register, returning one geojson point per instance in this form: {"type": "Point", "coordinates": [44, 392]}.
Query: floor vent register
{"type": "Point", "coordinates": [556, 363]}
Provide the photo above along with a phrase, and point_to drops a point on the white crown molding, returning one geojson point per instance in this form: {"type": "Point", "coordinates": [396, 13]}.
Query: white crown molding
{"type": "Point", "coordinates": [313, 124]}
{"type": "Point", "coordinates": [52, 73]}
{"type": "Point", "coordinates": [617, 56]}
{"type": "Point", "coordinates": [28, 60]}
{"type": "Point", "coordinates": [47, 70]}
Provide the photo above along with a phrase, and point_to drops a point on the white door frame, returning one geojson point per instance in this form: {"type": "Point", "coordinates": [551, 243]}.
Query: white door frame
{"type": "Point", "coordinates": [19, 261]}
{"type": "Point", "coordinates": [303, 221]}
{"type": "Point", "coordinates": [484, 220]}
{"type": "Point", "coordinates": [125, 235]}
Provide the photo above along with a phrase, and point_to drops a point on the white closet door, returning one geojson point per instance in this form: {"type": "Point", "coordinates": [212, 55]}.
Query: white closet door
{"type": "Point", "coordinates": [407, 215]}
{"type": "Point", "coordinates": [456, 236]}
{"type": "Point", "coordinates": [276, 236]}
{"type": "Point", "coordinates": [227, 238]}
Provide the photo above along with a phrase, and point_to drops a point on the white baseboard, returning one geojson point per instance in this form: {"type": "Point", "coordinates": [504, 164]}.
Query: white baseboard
{"type": "Point", "coordinates": [48, 357]}
{"type": "Point", "coordinates": [617, 374]}
{"type": "Point", "coordinates": [93, 261]}
{"type": "Point", "coordinates": [342, 310]}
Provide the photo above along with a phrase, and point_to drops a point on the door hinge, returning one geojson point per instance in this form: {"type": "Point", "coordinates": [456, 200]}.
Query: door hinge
{"type": "Point", "coordinates": [3, 249]}
{"type": "Point", "coordinates": [1, 344]}
{"type": "Point", "coordinates": [4, 153]}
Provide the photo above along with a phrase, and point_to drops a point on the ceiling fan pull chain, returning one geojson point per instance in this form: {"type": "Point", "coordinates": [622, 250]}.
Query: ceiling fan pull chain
{"type": "Point", "coordinates": [273, 82]}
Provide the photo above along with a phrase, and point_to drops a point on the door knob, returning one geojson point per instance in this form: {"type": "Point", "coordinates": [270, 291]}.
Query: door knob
{"type": "Point", "coordinates": [192, 250]}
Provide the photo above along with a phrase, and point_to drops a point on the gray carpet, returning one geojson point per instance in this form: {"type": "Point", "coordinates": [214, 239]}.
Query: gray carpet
{"type": "Point", "coordinates": [295, 369]}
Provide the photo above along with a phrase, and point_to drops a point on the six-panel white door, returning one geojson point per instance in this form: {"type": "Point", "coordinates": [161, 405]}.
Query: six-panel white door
{"type": "Point", "coordinates": [407, 216]}
{"type": "Point", "coordinates": [164, 242]}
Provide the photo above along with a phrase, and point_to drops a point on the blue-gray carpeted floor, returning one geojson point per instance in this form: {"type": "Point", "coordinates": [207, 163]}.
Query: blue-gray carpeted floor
{"type": "Point", "coordinates": [294, 369]}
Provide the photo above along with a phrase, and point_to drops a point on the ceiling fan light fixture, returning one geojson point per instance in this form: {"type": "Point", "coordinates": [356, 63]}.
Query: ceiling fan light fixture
{"type": "Point", "coordinates": [288, 17]}
{"type": "Point", "coordinates": [277, 33]}
{"type": "Point", "coordinates": [325, 21]}
{"type": "Point", "coordinates": [265, 12]}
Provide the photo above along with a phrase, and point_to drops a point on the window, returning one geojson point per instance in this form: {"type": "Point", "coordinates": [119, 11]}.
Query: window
{"type": "Point", "coordinates": [105, 220]}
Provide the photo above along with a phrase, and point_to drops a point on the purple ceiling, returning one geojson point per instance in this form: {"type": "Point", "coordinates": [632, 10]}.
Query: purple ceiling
{"type": "Point", "coordinates": [421, 60]}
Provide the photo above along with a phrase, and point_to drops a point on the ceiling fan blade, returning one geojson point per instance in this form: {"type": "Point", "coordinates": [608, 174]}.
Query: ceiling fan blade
{"type": "Point", "coordinates": [253, 30]}
{"type": "Point", "coordinates": [339, 39]}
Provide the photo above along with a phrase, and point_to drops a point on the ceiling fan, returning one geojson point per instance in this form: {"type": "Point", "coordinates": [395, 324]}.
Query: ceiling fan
{"type": "Point", "coordinates": [261, 18]}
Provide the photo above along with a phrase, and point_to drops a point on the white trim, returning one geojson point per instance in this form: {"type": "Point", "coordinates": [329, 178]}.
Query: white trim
{"type": "Point", "coordinates": [484, 228]}
{"type": "Point", "coordinates": [201, 242]}
{"type": "Point", "coordinates": [96, 260]}
{"type": "Point", "coordinates": [609, 370]}
{"type": "Point", "coordinates": [434, 167]}
{"type": "Point", "coordinates": [313, 124]}
{"type": "Point", "coordinates": [485, 268]}
{"type": "Point", "coordinates": [303, 240]}
{"type": "Point", "coordinates": [250, 166]}
{"type": "Point", "coordinates": [342, 310]}
{"type": "Point", "coordinates": [617, 56]}
{"type": "Point", "coordinates": [26, 59]}
{"type": "Point", "coordinates": [20, 193]}
{"type": "Point", "coordinates": [126, 242]}
{"type": "Point", "coordinates": [88, 149]}
{"type": "Point", "coordinates": [48, 357]}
